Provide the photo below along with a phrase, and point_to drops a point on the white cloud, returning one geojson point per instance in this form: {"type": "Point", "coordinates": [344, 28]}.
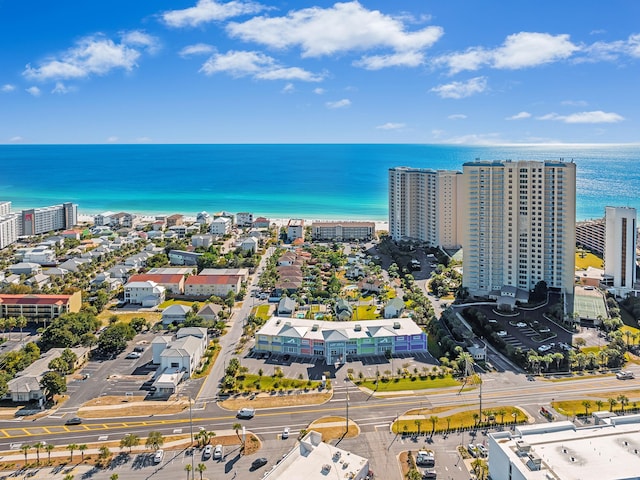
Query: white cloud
{"type": "Point", "coordinates": [141, 39]}
{"type": "Point", "coordinates": [611, 51]}
{"type": "Point", "coordinates": [289, 88]}
{"type": "Point", "coordinates": [457, 116]}
{"type": "Point", "coordinates": [596, 116]}
{"type": "Point", "coordinates": [112, 139]}
{"type": "Point", "coordinates": [574, 103]}
{"type": "Point", "coordinates": [402, 59]}
{"type": "Point", "coordinates": [519, 116]}
{"type": "Point", "coordinates": [207, 11]}
{"type": "Point", "coordinates": [143, 140]}
{"type": "Point", "coordinates": [476, 139]}
{"type": "Point", "coordinates": [255, 64]}
{"type": "Point", "coordinates": [60, 88]}
{"type": "Point", "coordinates": [34, 91]}
{"type": "Point", "coordinates": [196, 49]}
{"type": "Point", "coordinates": [520, 50]}
{"type": "Point", "coordinates": [319, 91]}
{"type": "Point", "coordinates": [345, 102]}
{"type": "Point", "coordinates": [16, 139]}
{"type": "Point", "coordinates": [95, 55]}
{"type": "Point", "coordinates": [391, 126]}
{"type": "Point", "coordinates": [459, 90]}
{"type": "Point", "coordinates": [342, 28]}
{"type": "Point", "coordinates": [7, 87]}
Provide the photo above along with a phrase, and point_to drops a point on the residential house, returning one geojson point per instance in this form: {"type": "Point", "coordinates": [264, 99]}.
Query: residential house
{"type": "Point", "coordinates": [210, 311]}
{"type": "Point", "coordinates": [295, 229]}
{"type": "Point", "coordinates": [181, 257]}
{"type": "Point", "coordinates": [220, 226]}
{"type": "Point", "coordinates": [286, 307]}
{"type": "Point", "coordinates": [344, 310]}
{"type": "Point", "coordinates": [175, 313]}
{"type": "Point", "coordinates": [39, 280]}
{"type": "Point", "coordinates": [249, 244]}
{"type": "Point", "coordinates": [261, 222]}
{"type": "Point", "coordinates": [147, 293]}
{"type": "Point", "coordinates": [203, 218]}
{"type": "Point", "coordinates": [172, 282]}
{"type": "Point", "coordinates": [241, 272]}
{"type": "Point", "coordinates": [244, 219]}
{"type": "Point", "coordinates": [106, 281]}
{"type": "Point", "coordinates": [204, 241]}
{"type": "Point", "coordinates": [25, 268]}
{"type": "Point", "coordinates": [394, 308]}
{"type": "Point", "coordinates": [56, 272]}
{"type": "Point", "coordinates": [25, 387]}
{"type": "Point", "coordinates": [74, 264]}
{"type": "Point", "coordinates": [103, 219]}
{"type": "Point", "coordinates": [176, 219]}
{"type": "Point", "coordinates": [370, 284]}
{"type": "Point", "coordinates": [72, 234]}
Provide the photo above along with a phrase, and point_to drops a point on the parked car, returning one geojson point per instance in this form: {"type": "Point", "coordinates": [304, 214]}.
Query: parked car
{"type": "Point", "coordinates": [206, 453]}
{"type": "Point", "coordinates": [139, 349]}
{"type": "Point", "coordinates": [544, 348]}
{"type": "Point", "coordinates": [502, 333]}
{"type": "Point", "coordinates": [429, 474]}
{"type": "Point", "coordinates": [157, 458]}
{"type": "Point", "coordinates": [425, 458]}
{"type": "Point", "coordinates": [521, 324]}
{"type": "Point", "coordinates": [259, 462]}
{"type": "Point", "coordinates": [285, 433]}
{"type": "Point", "coordinates": [471, 448]}
{"type": "Point", "coordinates": [545, 330]}
{"type": "Point", "coordinates": [482, 449]}
{"type": "Point", "coordinates": [73, 421]}
{"type": "Point", "coordinates": [217, 452]}
{"type": "Point", "coordinates": [132, 355]}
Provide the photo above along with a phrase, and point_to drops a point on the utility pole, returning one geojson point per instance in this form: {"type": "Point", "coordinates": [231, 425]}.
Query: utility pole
{"type": "Point", "coordinates": [193, 453]}
{"type": "Point", "coordinates": [347, 383]}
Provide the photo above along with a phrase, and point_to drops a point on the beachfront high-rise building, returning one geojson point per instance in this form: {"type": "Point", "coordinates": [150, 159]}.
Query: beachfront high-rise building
{"type": "Point", "coordinates": [9, 229]}
{"type": "Point", "coordinates": [519, 225]}
{"type": "Point", "coordinates": [35, 221]}
{"type": "Point", "coordinates": [620, 247]}
{"type": "Point", "coordinates": [5, 208]}
{"type": "Point", "coordinates": [423, 205]}
{"type": "Point", "coordinates": [590, 234]}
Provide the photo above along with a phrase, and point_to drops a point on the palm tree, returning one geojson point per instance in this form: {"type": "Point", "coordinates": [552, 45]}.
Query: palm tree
{"type": "Point", "coordinates": [72, 447]}
{"type": "Point", "coordinates": [154, 440]}
{"type": "Point", "coordinates": [38, 446]}
{"type": "Point", "coordinates": [201, 468]}
{"type": "Point", "coordinates": [587, 405]}
{"type": "Point", "coordinates": [187, 468]}
{"type": "Point", "coordinates": [11, 324]}
{"type": "Point", "coordinates": [476, 417]}
{"type": "Point", "coordinates": [115, 476]}
{"type": "Point", "coordinates": [48, 447]}
{"type": "Point", "coordinates": [237, 427]}
{"type": "Point", "coordinates": [434, 421]}
{"type": "Point", "coordinates": [623, 401]}
{"type": "Point", "coordinates": [68, 476]}
{"type": "Point", "coordinates": [25, 449]}
{"type": "Point", "coordinates": [418, 424]}
{"type": "Point", "coordinates": [129, 441]}
{"type": "Point", "coordinates": [82, 448]}
{"type": "Point", "coordinates": [21, 322]}
{"type": "Point", "coordinates": [515, 413]}
{"type": "Point", "coordinates": [612, 403]}
{"type": "Point", "coordinates": [599, 404]}
{"type": "Point", "coordinates": [502, 412]}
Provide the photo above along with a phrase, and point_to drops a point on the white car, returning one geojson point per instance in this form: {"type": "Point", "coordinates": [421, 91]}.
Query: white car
{"type": "Point", "coordinates": [217, 452]}
{"type": "Point", "coordinates": [544, 348]}
{"type": "Point", "coordinates": [482, 449]}
{"type": "Point", "coordinates": [157, 458]}
{"type": "Point", "coordinates": [521, 324]}
{"type": "Point", "coordinates": [285, 433]}
{"type": "Point", "coordinates": [207, 452]}
{"type": "Point", "coordinates": [502, 333]}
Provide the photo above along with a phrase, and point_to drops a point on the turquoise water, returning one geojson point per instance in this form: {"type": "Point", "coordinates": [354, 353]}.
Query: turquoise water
{"type": "Point", "coordinates": [308, 181]}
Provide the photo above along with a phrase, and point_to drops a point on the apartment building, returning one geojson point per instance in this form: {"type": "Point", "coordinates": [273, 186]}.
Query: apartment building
{"type": "Point", "coordinates": [35, 221]}
{"type": "Point", "coordinates": [343, 231]}
{"type": "Point", "coordinates": [590, 234]}
{"type": "Point", "coordinates": [220, 226]}
{"type": "Point", "coordinates": [620, 247]}
{"type": "Point", "coordinates": [244, 219]}
{"type": "Point", "coordinates": [295, 229]}
{"type": "Point", "coordinates": [519, 219]}
{"type": "Point", "coordinates": [39, 307]}
{"type": "Point", "coordinates": [9, 228]}
{"type": "Point", "coordinates": [423, 205]}
{"type": "Point", "coordinates": [5, 208]}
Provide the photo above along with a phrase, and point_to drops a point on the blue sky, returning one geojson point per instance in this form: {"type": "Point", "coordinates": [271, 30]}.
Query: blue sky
{"type": "Point", "coordinates": [207, 71]}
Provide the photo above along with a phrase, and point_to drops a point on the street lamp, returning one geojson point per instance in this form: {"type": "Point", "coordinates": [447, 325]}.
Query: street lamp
{"type": "Point", "coordinates": [346, 381]}
{"type": "Point", "coordinates": [191, 427]}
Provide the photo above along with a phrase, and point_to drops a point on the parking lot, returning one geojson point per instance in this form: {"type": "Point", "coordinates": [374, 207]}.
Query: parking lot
{"type": "Point", "coordinates": [314, 368]}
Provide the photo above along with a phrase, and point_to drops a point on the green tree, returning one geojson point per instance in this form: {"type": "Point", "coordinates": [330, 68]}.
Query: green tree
{"type": "Point", "coordinates": [104, 452]}
{"type": "Point", "coordinates": [587, 405]}
{"type": "Point", "coordinates": [21, 322]}
{"type": "Point", "coordinates": [187, 468]}
{"type": "Point", "coordinates": [155, 440]}
{"type": "Point", "coordinates": [72, 447]}
{"type": "Point", "coordinates": [599, 404]}
{"type": "Point", "coordinates": [434, 421]}
{"type": "Point", "coordinates": [59, 366]}
{"type": "Point", "coordinates": [129, 441]}
{"type": "Point", "coordinates": [114, 338]}
{"type": "Point", "coordinates": [49, 447]}
{"type": "Point", "coordinates": [114, 476]}
{"type": "Point", "coordinates": [38, 446]}
{"type": "Point", "coordinates": [237, 427]}
{"type": "Point", "coordinates": [53, 384]}
{"type": "Point", "coordinates": [25, 449]}
{"type": "Point", "coordinates": [201, 468]}
{"type": "Point", "coordinates": [623, 401]}
{"type": "Point", "coordinates": [11, 324]}
{"type": "Point", "coordinates": [81, 448]}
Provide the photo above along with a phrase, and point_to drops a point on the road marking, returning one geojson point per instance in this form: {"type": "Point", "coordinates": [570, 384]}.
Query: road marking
{"type": "Point", "coordinates": [103, 438]}
{"type": "Point", "coordinates": [15, 446]}
{"type": "Point", "coordinates": [177, 430]}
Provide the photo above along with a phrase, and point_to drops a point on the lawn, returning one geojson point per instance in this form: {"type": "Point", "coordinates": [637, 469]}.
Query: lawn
{"type": "Point", "coordinates": [262, 312]}
{"type": "Point", "coordinates": [589, 260]}
{"type": "Point", "coordinates": [151, 317]}
{"type": "Point", "coordinates": [575, 407]}
{"type": "Point", "coordinates": [464, 419]}
{"type": "Point", "coordinates": [168, 303]}
{"type": "Point", "coordinates": [266, 383]}
{"type": "Point", "coordinates": [366, 312]}
{"type": "Point", "coordinates": [411, 383]}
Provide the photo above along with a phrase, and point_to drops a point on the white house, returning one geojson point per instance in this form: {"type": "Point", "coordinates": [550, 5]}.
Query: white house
{"type": "Point", "coordinates": [220, 226]}
{"type": "Point", "coordinates": [204, 241]}
{"type": "Point", "coordinates": [175, 313]}
{"type": "Point", "coordinates": [244, 219]}
{"type": "Point", "coordinates": [249, 244]}
{"type": "Point", "coordinates": [394, 308]}
{"type": "Point", "coordinates": [147, 294]}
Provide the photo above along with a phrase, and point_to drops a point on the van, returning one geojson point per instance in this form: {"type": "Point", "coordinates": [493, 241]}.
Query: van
{"type": "Point", "coordinates": [246, 412]}
{"type": "Point", "coordinates": [425, 458]}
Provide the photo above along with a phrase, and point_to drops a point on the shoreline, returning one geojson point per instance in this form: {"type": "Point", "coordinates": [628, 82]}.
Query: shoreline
{"type": "Point", "coordinates": [280, 221]}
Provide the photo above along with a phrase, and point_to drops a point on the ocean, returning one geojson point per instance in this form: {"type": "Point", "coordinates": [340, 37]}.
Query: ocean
{"type": "Point", "coordinates": [278, 181]}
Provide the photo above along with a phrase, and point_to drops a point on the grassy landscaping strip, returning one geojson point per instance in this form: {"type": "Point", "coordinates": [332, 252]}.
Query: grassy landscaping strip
{"type": "Point", "coordinates": [210, 358]}
{"type": "Point", "coordinates": [465, 419]}
{"type": "Point", "coordinates": [257, 383]}
{"type": "Point", "coordinates": [276, 400]}
{"type": "Point", "coordinates": [334, 431]}
{"type": "Point", "coordinates": [410, 383]}
{"type": "Point", "coordinates": [585, 259]}
{"type": "Point", "coordinates": [588, 376]}
{"type": "Point", "coordinates": [168, 303]}
{"type": "Point", "coordinates": [366, 312]}
{"type": "Point", "coordinates": [262, 312]}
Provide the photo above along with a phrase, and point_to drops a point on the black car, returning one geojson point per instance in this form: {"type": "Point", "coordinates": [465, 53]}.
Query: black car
{"type": "Point", "coordinates": [73, 421]}
{"type": "Point", "coordinates": [259, 462]}
{"type": "Point", "coordinates": [286, 357]}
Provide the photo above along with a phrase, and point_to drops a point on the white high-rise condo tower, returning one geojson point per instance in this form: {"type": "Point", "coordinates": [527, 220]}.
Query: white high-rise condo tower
{"type": "Point", "coordinates": [519, 219]}
{"type": "Point", "coordinates": [423, 206]}
{"type": "Point", "coordinates": [620, 247]}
